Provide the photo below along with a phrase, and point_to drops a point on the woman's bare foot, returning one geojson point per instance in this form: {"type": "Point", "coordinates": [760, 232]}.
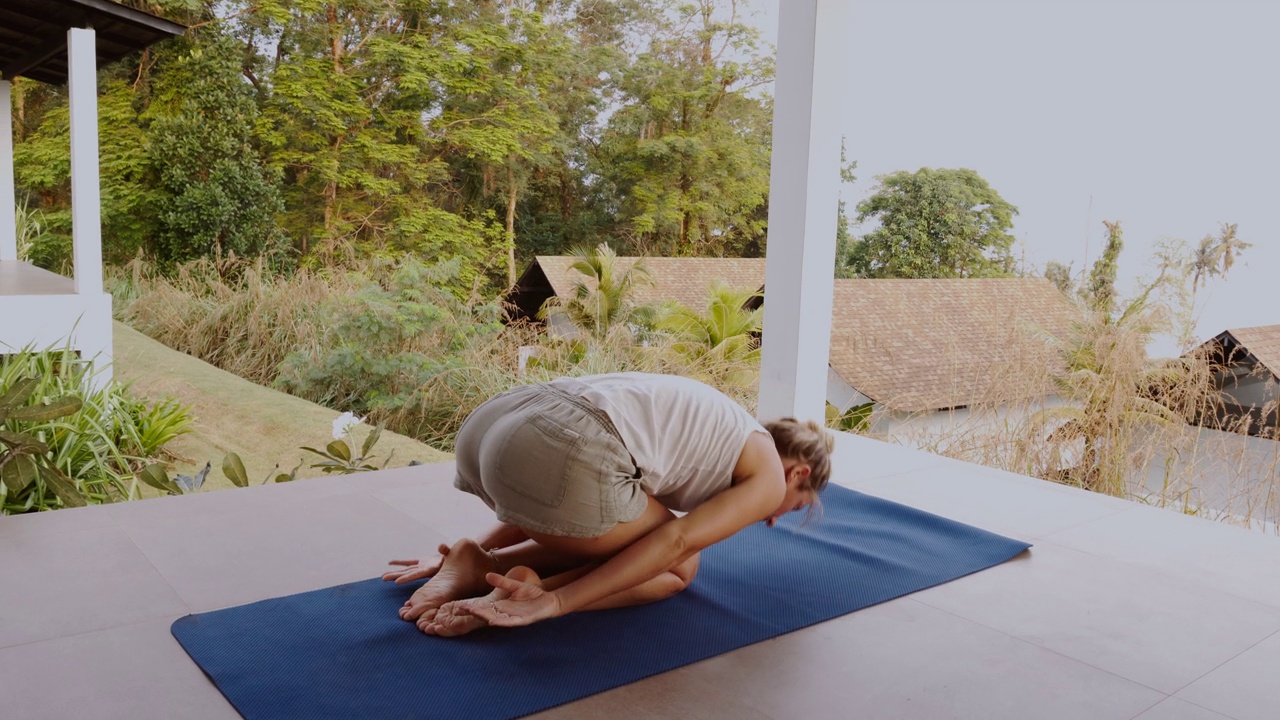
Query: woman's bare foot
{"type": "Point", "coordinates": [461, 576]}
{"type": "Point", "coordinates": [455, 618]}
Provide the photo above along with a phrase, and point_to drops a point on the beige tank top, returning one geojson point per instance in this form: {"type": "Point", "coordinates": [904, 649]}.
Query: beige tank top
{"type": "Point", "coordinates": [685, 436]}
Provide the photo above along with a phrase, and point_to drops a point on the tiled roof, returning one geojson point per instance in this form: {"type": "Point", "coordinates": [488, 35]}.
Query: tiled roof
{"type": "Point", "coordinates": [1263, 343]}
{"type": "Point", "coordinates": [930, 344]}
{"type": "Point", "coordinates": [682, 279]}
{"type": "Point", "coordinates": [908, 344]}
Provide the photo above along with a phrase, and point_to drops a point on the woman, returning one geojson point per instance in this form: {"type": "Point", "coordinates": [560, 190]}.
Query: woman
{"type": "Point", "coordinates": [584, 475]}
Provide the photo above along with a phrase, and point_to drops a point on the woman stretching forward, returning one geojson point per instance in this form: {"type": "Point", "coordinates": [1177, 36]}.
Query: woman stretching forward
{"type": "Point", "coordinates": [583, 475]}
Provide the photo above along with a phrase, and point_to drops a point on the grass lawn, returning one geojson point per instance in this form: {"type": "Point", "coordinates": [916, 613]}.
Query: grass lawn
{"type": "Point", "coordinates": [265, 427]}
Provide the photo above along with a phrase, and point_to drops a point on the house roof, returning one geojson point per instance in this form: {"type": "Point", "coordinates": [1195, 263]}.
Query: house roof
{"type": "Point", "coordinates": [916, 345]}
{"type": "Point", "coordinates": [907, 344]}
{"type": "Point", "coordinates": [1261, 342]}
{"type": "Point", "coordinates": [33, 34]}
{"type": "Point", "coordinates": [682, 279]}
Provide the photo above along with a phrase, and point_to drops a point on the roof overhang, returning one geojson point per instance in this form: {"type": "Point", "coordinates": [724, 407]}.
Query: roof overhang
{"type": "Point", "coordinates": [33, 34]}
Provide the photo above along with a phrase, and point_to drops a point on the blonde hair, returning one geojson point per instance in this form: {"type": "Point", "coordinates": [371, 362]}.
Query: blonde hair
{"type": "Point", "coordinates": [808, 442]}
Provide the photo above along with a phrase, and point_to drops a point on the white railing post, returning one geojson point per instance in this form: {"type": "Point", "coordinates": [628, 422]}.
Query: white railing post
{"type": "Point", "coordinates": [8, 197]}
{"type": "Point", "coordinates": [86, 203]}
{"type": "Point", "coordinates": [804, 185]}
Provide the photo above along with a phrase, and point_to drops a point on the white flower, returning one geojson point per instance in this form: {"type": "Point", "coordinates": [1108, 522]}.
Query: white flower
{"type": "Point", "coordinates": [343, 423]}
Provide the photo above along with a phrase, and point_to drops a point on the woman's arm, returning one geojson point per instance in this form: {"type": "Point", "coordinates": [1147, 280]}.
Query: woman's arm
{"type": "Point", "coordinates": [752, 499]}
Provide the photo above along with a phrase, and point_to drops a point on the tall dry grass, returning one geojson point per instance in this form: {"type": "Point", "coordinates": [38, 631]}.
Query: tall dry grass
{"type": "Point", "coordinates": [1103, 416]}
{"type": "Point", "coordinates": [1088, 409]}
{"type": "Point", "coordinates": [428, 360]}
{"type": "Point", "coordinates": [234, 314]}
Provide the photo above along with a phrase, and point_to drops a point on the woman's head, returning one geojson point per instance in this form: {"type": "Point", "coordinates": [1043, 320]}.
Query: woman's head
{"type": "Point", "coordinates": [805, 449]}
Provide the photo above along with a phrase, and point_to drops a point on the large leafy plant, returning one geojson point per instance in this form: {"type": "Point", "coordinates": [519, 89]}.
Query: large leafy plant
{"type": "Point", "coordinates": [68, 439]}
{"type": "Point", "coordinates": [25, 465]}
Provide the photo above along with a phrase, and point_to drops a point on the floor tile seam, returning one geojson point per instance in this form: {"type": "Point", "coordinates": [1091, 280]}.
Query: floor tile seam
{"type": "Point", "coordinates": [1150, 707]}
{"type": "Point", "coordinates": [1083, 523]}
{"type": "Point", "coordinates": [1149, 567]}
{"type": "Point", "coordinates": [1202, 707]}
{"type": "Point", "coordinates": [1038, 646]}
{"type": "Point", "coordinates": [90, 631]}
{"type": "Point", "coordinates": [151, 563]}
{"type": "Point", "coordinates": [416, 521]}
{"type": "Point", "coordinates": [1219, 666]}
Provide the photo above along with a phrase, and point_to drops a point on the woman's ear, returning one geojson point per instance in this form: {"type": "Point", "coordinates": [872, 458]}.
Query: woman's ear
{"type": "Point", "coordinates": [800, 473]}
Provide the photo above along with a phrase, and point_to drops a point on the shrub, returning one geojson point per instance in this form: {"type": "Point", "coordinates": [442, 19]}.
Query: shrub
{"type": "Point", "coordinates": [89, 437]}
{"type": "Point", "coordinates": [237, 315]}
{"type": "Point", "coordinates": [380, 344]}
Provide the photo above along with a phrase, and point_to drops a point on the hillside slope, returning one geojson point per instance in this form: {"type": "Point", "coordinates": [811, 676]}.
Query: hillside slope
{"type": "Point", "coordinates": [264, 426]}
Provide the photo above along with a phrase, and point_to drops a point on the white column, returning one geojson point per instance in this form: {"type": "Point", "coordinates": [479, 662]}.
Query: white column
{"type": "Point", "coordinates": [804, 186]}
{"type": "Point", "coordinates": [8, 200]}
{"type": "Point", "coordinates": [86, 203]}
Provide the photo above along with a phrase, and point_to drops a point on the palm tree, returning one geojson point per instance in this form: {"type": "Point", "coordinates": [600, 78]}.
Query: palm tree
{"type": "Point", "coordinates": [725, 330]}
{"type": "Point", "coordinates": [720, 341]}
{"type": "Point", "coordinates": [1204, 261]}
{"type": "Point", "coordinates": [1229, 246]}
{"type": "Point", "coordinates": [604, 298]}
{"type": "Point", "coordinates": [1216, 255]}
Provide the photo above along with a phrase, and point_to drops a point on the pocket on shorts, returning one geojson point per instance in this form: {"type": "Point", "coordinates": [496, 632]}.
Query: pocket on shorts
{"type": "Point", "coordinates": [538, 458]}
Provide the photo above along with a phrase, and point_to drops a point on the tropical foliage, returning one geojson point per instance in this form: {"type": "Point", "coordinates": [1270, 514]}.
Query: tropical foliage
{"type": "Point", "coordinates": [603, 299]}
{"type": "Point", "coordinates": [68, 439]}
{"type": "Point", "coordinates": [721, 340]}
{"type": "Point", "coordinates": [726, 328]}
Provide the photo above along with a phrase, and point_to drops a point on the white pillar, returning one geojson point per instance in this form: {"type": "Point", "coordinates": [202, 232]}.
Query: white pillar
{"type": "Point", "coordinates": [86, 203]}
{"type": "Point", "coordinates": [8, 199]}
{"type": "Point", "coordinates": [804, 185]}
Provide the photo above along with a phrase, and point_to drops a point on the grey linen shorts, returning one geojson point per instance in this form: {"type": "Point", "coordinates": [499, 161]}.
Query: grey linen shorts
{"type": "Point", "coordinates": [544, 459]}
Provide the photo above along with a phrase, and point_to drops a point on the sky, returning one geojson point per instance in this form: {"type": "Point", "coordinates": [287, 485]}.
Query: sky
{"type": "Point", "coordinates": [1162, 115]}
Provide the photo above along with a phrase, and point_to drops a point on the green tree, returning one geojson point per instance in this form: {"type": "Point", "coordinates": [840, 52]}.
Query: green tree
{"type": "Point", "coordinates": [42, 167]}
{"type": "Point", "coordinates": [565, 203]}
{"type": "Point", "coordinates": [686, 153]}
{"type": "Point", "coordinates": [214, 193]}
{"type": "Point", "coordinates": [935, 224]}
{"type": "Point", "coordinates": [496, 112]}
{"type": "Point", "coordinates": [604, 298]}
{"type": "Point", "coordinates": [345, 98]}
{"type": "Point", "coordinates": [720, 340]}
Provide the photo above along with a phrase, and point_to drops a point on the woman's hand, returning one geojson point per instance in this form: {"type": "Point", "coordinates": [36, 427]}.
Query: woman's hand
{"type": "Point", "coordinates": [526, 603]}
{"type": "Point", "coordinates": [417, 569]}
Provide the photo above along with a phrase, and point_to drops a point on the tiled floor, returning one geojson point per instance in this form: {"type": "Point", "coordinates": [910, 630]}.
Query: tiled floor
{"type": "Point", "coordinates": [1119, 611]}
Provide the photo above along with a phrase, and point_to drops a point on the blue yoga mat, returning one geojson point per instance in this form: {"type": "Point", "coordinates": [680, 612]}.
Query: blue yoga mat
{"type": "Point", "coordinates": [342, 651]}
